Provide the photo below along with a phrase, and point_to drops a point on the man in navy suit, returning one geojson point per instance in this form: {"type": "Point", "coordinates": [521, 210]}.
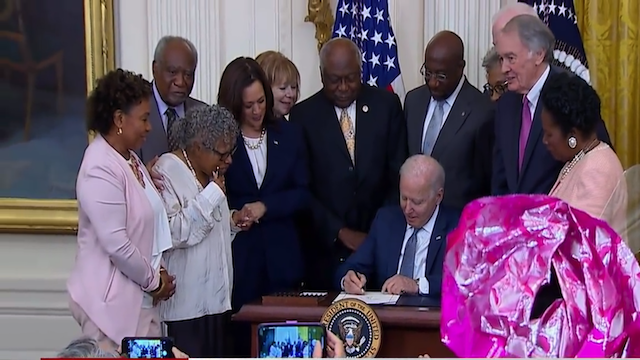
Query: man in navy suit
{"type": "Point", "coordinates": [521, 163]}
{"type": "Point", "coordinates": [404, 250]}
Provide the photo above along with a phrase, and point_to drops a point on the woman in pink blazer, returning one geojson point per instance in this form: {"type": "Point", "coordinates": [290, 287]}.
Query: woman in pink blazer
{"type": "Point", "coordinates": [591, 176]}
{"type": "Point", "coordinates": [118, 279]}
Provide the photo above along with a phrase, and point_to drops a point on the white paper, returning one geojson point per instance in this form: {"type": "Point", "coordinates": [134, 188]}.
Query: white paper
{"type": "Point", "coordinates": [371, 298]}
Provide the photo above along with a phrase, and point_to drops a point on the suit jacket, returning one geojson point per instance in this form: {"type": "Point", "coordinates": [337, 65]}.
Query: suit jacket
{"type": "Point", "coordinates": [115, 239]}
{"type": "Point", "coordinates": [379, 255]}
{"type": "Point", "coordinates": [267, 258]}
{"type": "Point", "coordinates": [156, 143]}
{"type": "Point", "coordinates": [539, 169]}
{"type": "Point", "coordinates": [464, 145]}
{"type": "Point", "coordinates": [344, 194]}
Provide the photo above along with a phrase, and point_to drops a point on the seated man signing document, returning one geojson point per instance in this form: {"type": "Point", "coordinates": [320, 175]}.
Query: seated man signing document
{"type": "Point", "coordinates": [404, 250]}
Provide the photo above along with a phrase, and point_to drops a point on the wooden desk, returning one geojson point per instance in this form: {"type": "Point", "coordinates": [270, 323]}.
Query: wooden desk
{"type": "Point", "coordinates": [406, 331]}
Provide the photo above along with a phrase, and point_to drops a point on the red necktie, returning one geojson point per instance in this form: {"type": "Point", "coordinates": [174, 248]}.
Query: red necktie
{"type": "Point", "coordinates": [524, 130]}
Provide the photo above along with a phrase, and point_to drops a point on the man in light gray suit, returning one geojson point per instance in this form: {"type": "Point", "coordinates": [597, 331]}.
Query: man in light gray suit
{"type": "Point", "coordinates": [174, 67]}
{"type": "Point", "coordinates": [451, 120]}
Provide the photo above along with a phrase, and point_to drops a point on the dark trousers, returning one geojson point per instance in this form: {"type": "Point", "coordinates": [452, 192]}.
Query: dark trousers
{"type": "Point", "coordinates": [204, 337]}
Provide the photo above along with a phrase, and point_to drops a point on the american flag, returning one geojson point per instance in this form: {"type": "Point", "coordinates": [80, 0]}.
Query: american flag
{"type": "Point", "coordinates": [367, 23]}
{"type": "Point", "coordinates": [560, 17]}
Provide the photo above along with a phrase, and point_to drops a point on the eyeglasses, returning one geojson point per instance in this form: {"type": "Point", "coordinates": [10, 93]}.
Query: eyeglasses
{"type": "Point", "coordinates": [428, 75]}
{"type": "Point", "coordinates": [225, 155]}
{"type": "Point", "coordinates": [498, 89]}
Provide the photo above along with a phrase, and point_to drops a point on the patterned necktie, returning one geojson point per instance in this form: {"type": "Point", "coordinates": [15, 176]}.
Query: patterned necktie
{"type": "Point", "coordinates": [433, 129]}
{"type": "Point", "coordinates": [409, 257]}
{"type": "Point", "coordinates": [172, 116]}
{"type": "Point", "coordinates": [349, 133]}
{"type": "Point", "coordinates": [525, 129]}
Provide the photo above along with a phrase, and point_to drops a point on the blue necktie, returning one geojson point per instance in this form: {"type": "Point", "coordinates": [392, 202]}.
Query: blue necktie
{"type": "Point", "coordinates": [409, 257]}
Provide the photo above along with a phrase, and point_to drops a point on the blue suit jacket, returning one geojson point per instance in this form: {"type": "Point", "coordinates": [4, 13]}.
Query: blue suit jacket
{"type": "Point", "coordinates": [267, 258]}
{"type": "Point", "coordinates": [378, 257]}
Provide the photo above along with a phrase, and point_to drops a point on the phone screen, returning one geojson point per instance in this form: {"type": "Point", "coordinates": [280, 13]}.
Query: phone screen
{"type": "Point", "coordinates": [289, 340]}
{"type": "Point", "coordinates": [147, 348]}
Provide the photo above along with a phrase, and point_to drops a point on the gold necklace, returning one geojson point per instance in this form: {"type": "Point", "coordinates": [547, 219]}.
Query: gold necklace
{"type": "Point", "coordinates": [260, 140]}
{"type": "Point", "coordinates": [193, 172]}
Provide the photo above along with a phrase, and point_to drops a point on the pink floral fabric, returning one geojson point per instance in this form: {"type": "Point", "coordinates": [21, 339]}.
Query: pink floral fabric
{"type": "Point", "coordinates": [502, 253]}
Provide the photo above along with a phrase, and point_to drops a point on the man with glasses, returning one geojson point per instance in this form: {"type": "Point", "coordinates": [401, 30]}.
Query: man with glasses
{"type": "Point", "coordinates": [452, 121]}
{"type": "Point", "coordinates": [174, 67]}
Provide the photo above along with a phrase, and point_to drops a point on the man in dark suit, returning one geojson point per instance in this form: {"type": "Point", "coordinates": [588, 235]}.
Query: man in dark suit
{"type": "Point", "coordinates": [521, 162]}
{"type": "Point", "coordinates": [404, 251]}
{"type": "Point", "coordinates": [174, 67]}
{"type": "Point", "coordinates": [452, 121]}
{"type": "Point", "coordinates": [355, 139]}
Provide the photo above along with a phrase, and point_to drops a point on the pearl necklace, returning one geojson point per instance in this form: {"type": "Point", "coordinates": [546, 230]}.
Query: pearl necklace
{"type": "Point", "coordinates": [579, 156]}
{"type": "Point", "coordinates": [260, 140]}
{"type": "Point", "coordinates": [193, 172]}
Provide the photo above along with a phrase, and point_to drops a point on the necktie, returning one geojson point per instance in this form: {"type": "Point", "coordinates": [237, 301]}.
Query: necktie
{"type": "Point", "coordinates": [524, 130]}
{"type": "Point", "coordinates": [409, 257]}
{"type": "Point", "coordinates": [349, 133]}
{"type": "Point", "coordinates": [172, 116]}
{"type": "Point", "coordinates": [433, 129]}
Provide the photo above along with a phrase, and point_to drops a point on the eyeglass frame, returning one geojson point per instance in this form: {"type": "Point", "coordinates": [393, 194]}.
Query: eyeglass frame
{"type": "Point", "coordinates": [495, 89]}
{"type": "Point", "coordinates": [225, 155]}
{"type": "Point", "coordinates": [427, 75]}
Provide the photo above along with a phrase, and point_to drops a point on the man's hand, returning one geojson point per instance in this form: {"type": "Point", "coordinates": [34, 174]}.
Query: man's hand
{"type": "Point", "coordinates": [335, 347]}
{"type": "Point", "coordinates": [354, 283]}
{"type": "Point", "coordinates": [399, 284]}
{"type": "Point", "coordinates": [256, 210]}
{"type": "Point", "coordinates": [242, 219]}
{"type": "Point", "coordinates": [351, 239]}
{"type": "Point", "coordinates": [155, 176]}
{"type": "Point", "coordinates": [179, 354]}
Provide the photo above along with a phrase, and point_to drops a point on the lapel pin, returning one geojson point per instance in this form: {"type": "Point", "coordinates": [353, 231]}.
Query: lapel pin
{"type": "Point", "coordinates": [365, 108]}
{"type": "Point", "coordinates": [275, 142]}
{"type": "Point", "coordinates": [439, 237]}
{"type": "Point", "coordinates": [463, 113]}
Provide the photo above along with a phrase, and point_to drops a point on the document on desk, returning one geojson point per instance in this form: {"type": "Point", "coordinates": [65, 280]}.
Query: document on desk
{"type": "Point", "coordinates": [371, 298]}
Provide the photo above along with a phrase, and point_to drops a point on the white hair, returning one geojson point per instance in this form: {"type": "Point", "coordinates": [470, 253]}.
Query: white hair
{"type": "Point", "coordinates": [85, 348]}
{"type": "Point", "coordinates": [165, 40]}
{"type": "Point", "coordinates": [424, 166]}
{"type": "Point", "coordinates": [512, 10]}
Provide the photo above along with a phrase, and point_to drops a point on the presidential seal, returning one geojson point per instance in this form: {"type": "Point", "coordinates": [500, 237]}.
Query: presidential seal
{"type": "Point", "coordinates": [357, 325]}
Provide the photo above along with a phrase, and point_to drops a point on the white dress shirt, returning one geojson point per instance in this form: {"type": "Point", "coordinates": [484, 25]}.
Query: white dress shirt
{"type": "Point", "coordinates": [534, 94]}
{"type": "Point", "coordinates": [201, 232]}
{"type": "Point", "coordinates": [448, 104]}
{"type": "Point", "coordinates": [257, 157]}
{"type": "Point", "coordinates": [422, 250]}
{"type": "Point", "coordinates": [162, 107]}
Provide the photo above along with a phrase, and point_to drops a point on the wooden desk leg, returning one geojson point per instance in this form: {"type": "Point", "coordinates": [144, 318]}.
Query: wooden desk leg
{"type": "Point", "coordinates": [254, 340]}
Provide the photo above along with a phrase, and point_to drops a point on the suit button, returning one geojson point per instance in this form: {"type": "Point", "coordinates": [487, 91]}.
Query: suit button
{"type": "Point", "coordinates": [350, 168]}
{"type": "Point", "coordinates": [341, 259]}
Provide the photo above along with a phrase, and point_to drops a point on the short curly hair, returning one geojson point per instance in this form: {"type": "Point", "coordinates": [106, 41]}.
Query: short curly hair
{"type": "Point", "coordinates": [118, 90]}
{"type": "Point", "coordinates": [208, 125]}
{"type": "Point", "coordinates": [572, 102]}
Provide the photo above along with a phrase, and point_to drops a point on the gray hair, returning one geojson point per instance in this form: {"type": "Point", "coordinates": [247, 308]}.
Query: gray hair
{"type": "Point", "coordinates": [85, 348]}
{"type": "Point", "coordinates": [165, 40]}
{"type": "Point", "coordinates": [424, 166]}
{"type": "Point", "coordinates": [534, 34]}
{"type": "Point", "coordinates": [207, 125]}
{"type": "Point", "coordinates": [326, 48]}
{"type": "Point", "coordinates": [490, 59]}
{"type": "Point", "coordinates": [512, 10]}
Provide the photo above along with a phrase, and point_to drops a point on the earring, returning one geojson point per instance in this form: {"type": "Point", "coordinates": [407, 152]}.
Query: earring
{"type": "Point", "coordinates": [572, 142]}
{"type": "Point", "coordinates": [119, 132]}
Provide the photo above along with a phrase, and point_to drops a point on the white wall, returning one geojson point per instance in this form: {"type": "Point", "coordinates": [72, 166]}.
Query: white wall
{"type": "Point", "coordinates": [225, 29]}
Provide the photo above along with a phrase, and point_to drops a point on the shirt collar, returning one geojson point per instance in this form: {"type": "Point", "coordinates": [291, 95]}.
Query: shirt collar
{"type": "Point", "coordinates": [431, 223]}
{"type": "Point", "coordinates": [162, 106]}
{"type": "Point", "coordinates": [534, 94]}
{"type": "Point", "coordinates": [452, 98]}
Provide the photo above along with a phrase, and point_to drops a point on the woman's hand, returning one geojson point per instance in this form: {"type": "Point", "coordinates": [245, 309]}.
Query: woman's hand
{"type": "Point", "coordinates": [242, 219]}
{"type": "Point", "coordinates": [167, 287]}
{"type": "Point", "coordinates": [219, 180]}
{"type": "Point", "coordinates": [256, 210]}
{"type": "Point", "coordinates": [335, 347]}
{"type": "Point", "coordinates": [179, 354]}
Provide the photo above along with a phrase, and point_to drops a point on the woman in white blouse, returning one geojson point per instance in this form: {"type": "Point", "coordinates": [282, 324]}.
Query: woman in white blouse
{"type": "Point", "coordinates": [202, 228]}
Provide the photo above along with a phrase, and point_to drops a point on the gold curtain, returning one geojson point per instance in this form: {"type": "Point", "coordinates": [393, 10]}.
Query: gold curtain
{"type": "Point", "coordinates": [609, 31]}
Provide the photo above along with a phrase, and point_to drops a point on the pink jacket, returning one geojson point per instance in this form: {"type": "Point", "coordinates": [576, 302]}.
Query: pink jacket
{"type": "Point", "coordinates": [115, 241]}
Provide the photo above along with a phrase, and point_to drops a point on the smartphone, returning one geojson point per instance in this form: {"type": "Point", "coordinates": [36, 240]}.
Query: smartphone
{"type": "Point", "coordinates": [147, 347]}
{"type": "Point", "coordinates": [290, 339]}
